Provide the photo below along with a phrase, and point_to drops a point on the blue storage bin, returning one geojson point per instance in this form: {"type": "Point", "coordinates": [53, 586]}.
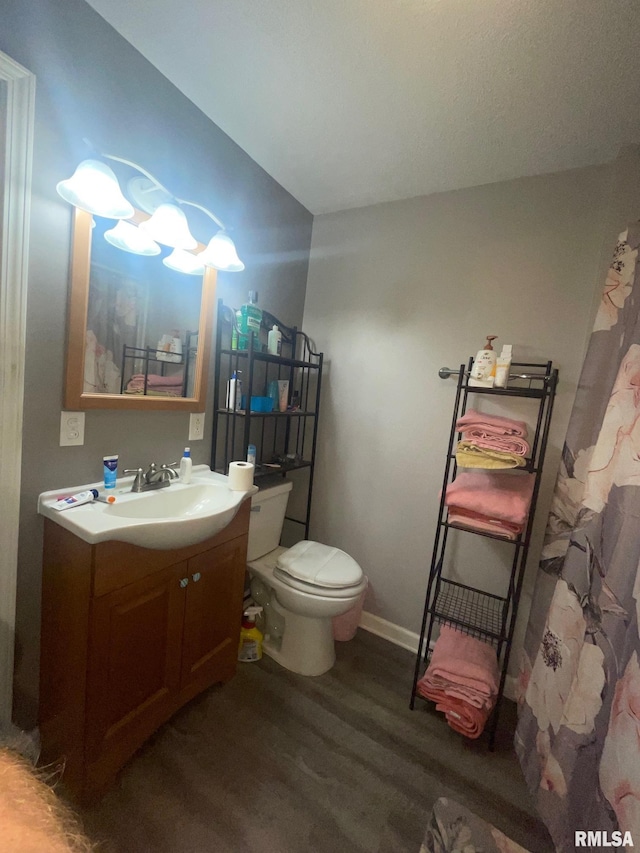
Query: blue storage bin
{"type": "Point", "coordinates": [261, 404]}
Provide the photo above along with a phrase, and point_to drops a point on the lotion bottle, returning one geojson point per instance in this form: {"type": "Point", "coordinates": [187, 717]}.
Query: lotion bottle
{"type": "Point", "coordinates": [484, 366]}
{"type": "Point", "coordinates": [185, 466]}
{"type": "Point", "coordinates": [503, 366]}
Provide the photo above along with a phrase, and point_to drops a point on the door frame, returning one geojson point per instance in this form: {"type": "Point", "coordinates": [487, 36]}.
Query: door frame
{"type": "Point", "coordinates": [14, 256]}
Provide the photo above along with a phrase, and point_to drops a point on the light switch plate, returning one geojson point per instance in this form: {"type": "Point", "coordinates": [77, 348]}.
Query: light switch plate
{"type": "Point", "coordinates": [71, 428]}
{"type": "Point", "coordinates": [196, 426]}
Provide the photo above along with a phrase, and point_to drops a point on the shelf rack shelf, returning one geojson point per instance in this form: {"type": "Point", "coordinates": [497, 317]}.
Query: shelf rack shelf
{"type": "Point", "coordinates": [284, 441]}
{"type": "Point", "coordinates": [472, 610]}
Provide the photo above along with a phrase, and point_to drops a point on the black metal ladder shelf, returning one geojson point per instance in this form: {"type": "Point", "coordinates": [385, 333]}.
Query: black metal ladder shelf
{"type": "Point", "coordinates": [474, 611]}
{"type": "Point", "coordinates": [285, 441]}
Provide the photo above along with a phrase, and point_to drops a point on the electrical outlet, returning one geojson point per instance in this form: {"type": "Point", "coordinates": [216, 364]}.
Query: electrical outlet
{"type": "Point", "coordinates": [196, 426]}
{"type": "Point", "coordinates": [71, 428]}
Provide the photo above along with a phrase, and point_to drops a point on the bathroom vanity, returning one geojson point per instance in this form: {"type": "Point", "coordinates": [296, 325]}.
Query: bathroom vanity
{"type": "Point", "coordinates": [129, 635]}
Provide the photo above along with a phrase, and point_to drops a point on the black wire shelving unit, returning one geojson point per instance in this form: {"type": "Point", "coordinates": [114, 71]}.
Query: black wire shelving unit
{"type": "Point", "coordinates": [486, 616]}
{"type": "Point", "coordinates": [284, 441]}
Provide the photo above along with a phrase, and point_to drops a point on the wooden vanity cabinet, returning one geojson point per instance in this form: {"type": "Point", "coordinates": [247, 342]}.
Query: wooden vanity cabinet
{"type": "Point", "coordinates": [129, 635]}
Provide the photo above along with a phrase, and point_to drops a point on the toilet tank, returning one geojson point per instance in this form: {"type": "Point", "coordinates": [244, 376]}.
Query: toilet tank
{"type": "Point", "coordinates": [268, 508]}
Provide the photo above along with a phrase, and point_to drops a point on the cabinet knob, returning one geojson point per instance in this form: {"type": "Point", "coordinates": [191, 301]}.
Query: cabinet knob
{"type": "Point", "coordinates": [184, 582]}
{"type": "Point", "coordinates": [196, 577]}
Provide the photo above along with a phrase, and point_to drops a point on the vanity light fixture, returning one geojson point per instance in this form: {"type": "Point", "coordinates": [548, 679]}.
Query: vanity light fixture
{"type": "Point", "coordinates": [127, 237]}
{"type": "Point", "coordinates": [94, 187]}
{"type": "Point", "coordinates": [168, 225]}
{"type": "Point", "coordinates": [185, 262]}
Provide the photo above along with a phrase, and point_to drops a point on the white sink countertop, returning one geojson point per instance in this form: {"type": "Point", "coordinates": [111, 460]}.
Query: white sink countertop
{"type": "Point", "coordinates": [172, 517]}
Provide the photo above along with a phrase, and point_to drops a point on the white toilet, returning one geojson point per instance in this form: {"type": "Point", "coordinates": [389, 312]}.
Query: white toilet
{"type": "Point", "coordinates": [301, 588]}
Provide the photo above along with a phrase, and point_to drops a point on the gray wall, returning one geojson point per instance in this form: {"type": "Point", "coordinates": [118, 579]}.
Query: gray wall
{"type": "Point", "coordinates": [91, 83]}
{"type": "Point", "coordinates": [396, 291]}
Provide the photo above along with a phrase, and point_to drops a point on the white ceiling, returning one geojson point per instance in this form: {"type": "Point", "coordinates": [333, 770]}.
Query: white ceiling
{"type": "Point", "coordinates": [354, 102]}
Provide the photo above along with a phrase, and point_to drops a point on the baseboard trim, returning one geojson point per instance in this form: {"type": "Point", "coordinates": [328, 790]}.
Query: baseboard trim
{"type": "Point", "coordinates": [409, 640]}
{"type": "Point", "coordinates": [388, 631]}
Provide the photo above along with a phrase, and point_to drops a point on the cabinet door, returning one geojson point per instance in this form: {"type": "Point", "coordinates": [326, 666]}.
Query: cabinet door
{"type": "Point", "coordinates": [213, 614]}
{"type": "Point", "coordinates": [134, 662]}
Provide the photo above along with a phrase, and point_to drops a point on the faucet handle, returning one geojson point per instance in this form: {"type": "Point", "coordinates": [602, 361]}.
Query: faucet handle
{"type": "Point", "coordinates": [139, 478]}
{"type": "Point", "coordinates": [170, 469]}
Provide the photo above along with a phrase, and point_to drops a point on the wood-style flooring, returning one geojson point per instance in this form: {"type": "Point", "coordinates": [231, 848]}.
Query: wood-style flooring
{"type": "Point", "coordinates": [273, 762]}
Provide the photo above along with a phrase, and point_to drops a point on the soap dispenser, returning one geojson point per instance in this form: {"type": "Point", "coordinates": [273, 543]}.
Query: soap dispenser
{"type": "Point", "coordinates": [484, 366]}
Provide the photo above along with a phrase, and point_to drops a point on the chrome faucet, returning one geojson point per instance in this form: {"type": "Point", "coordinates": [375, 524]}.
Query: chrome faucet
{"type": "Point", "coordinates": [153, 477]}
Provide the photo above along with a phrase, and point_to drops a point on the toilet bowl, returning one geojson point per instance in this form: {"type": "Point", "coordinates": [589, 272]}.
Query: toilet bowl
{"type": "Point", "coordinates": [301, 588]}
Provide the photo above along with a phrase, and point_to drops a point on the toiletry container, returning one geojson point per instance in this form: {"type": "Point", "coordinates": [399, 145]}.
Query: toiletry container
{"type": "Point", "coordinates": [234, 392]}
{"type": "Point", "coordinates": [249, 321]}
{"type": "Point", "coordinates": [251, 454]}
{"type": "Point", "coordinates": [503, 366]}
{"type": "Point", "coordinates": [250, 646]}
{"type": "Point", "coordinates": [274, 341]}
{"type": "Point", "coordinates": [110, 470]}
{"type": "Point", "coordinates": [484, 366]}
{"type": "Point", "coordinates": [185, 466]}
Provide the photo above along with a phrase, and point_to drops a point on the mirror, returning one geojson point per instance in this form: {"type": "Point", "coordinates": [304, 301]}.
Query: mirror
{"type": "Point", "coordinates": [139, 333]}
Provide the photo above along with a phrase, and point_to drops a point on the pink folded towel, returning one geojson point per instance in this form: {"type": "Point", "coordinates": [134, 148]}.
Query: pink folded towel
{"type": "Point", "coordinates": [506, 497]}
{"type": "Point", "coordinates": [464, 662]}
{"type": "Point", "coordinates": [505, 443]}
{"type": "Point", "coordinates": [488, 425]}
{"type": "Point", "coordinates": [482, 523]}
{"type": "Point", "coordinates": [463, 716]}
{"type": "Point", "coordinates": [155, 379]}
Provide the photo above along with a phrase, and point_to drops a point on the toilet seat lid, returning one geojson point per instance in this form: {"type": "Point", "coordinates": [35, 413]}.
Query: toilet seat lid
{"type": "Point", "coordinates": [320, 565]}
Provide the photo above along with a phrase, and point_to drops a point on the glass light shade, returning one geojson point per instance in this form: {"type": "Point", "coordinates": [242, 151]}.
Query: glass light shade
{"type": "Point", "coordinates": [168, 225]}
{"type": "Point", "coordinates": [221, 254]}
{"type": "Point", "coordinates": [94, 187]}
{"type": "Point", "coordinates": [185, 262]}
{"type": "Point", "coordinates": [127, 237]}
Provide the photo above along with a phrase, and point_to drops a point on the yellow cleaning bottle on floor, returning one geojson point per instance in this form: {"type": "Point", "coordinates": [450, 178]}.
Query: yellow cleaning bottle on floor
{"type": "Point", "coordinates": [250, 647]}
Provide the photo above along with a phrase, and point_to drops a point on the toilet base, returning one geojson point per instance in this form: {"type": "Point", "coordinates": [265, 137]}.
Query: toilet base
{"type": "Point", "coordinates": [307, 644]}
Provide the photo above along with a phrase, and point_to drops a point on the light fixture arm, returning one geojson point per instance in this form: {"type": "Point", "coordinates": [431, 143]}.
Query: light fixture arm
{"type": "Point", "coordinates": [160, 186]}
{"type": "Point", "coordinates": [218, 222]}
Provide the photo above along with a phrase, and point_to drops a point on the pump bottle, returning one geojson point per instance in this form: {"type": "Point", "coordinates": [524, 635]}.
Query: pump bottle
{"type": "Point", "coordinates": [484, 366]}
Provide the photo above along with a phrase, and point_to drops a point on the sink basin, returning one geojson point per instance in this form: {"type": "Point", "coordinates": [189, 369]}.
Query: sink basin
{"type": "Point", "coordinates": [173, 517]}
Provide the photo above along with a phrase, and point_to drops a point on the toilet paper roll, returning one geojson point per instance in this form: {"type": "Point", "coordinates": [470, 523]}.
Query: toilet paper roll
{"type": "Point", "coordinates": [241, 476]}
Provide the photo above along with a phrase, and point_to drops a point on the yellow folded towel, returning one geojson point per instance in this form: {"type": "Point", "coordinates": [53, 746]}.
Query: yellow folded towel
{"type": "Point", "coordinates": [469, 455]}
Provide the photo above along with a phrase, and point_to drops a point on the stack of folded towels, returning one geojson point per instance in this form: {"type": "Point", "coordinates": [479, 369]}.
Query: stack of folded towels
{"type": "Point", "coordinates": [462, 679]}
{"type": "Point", "coordinates": [490, 502]}
{"type": "Point", "coordinates": [491, 441]}
{"type": "Point", "coordinates": [165, 386]}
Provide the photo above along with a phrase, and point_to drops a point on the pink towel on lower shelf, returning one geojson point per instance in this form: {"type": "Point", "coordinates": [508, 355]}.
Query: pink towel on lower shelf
{"type": "Point", "coordinates": [464, 662]}
{"type": "Point", "coordinates": [488, 425]}
{"type": "Point", "coordinates": [482, 523]}
{"type": "Point", "coordinates": [494, 495]}
{"type": "Point", "coordinates": [156, 380]}
{"type": "Point", "coordinates": [464, 718]}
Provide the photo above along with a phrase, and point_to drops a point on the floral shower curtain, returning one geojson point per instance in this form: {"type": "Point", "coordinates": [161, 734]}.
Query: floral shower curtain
{"type": "Point", "coordinates": [578, 735]}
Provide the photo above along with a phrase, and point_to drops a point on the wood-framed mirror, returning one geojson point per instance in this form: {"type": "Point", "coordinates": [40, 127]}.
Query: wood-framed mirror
{"type": "Point", "coordinates": [138, 333]}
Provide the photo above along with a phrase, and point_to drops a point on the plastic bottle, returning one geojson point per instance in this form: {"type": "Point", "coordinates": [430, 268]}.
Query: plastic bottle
{"type": "Point", "coordinates": [110, 470]}
{"type": "Point", "coordinates": [185, 466]}
{"type": "Point", "coordinates": [274, 341]}
{"type": "Point", "coordinates": [251, 454]}
{"type": "Point", "coordinates": [234, 392]}
{"type": "Point", "coordinates": [484, 366]}
{"type": "Point", "coordinates": [250, 646]}
{"type": "Point", "coordinates": [76, 500]}
{"type": "Point", "coordinates": [249, 321]}
{"type": "Point", "coordinates": [503, 366]}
